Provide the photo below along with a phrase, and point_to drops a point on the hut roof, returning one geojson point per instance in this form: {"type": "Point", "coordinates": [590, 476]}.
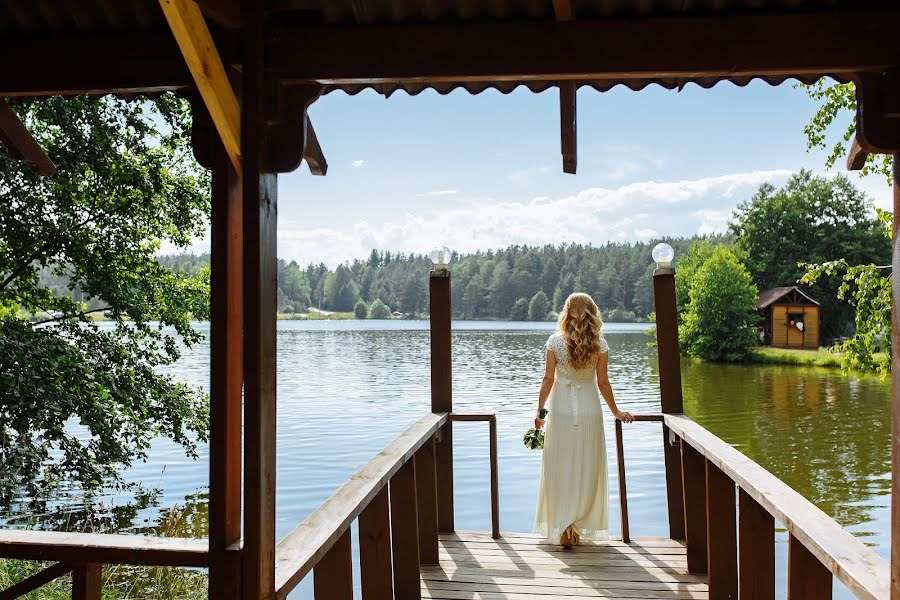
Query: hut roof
{"type": "Point", "coordinates": [771, 296]}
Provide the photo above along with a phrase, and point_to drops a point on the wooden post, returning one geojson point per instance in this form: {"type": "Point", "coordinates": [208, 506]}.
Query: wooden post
{"type": "Point", "coordinates": [426, 504]}
{"type": "Point", "coordinates": [260, 287]}
{"type": "Point", "coordinates": [808, 579]}
{"type": "Point", "coordinates": [226, 377]}
{"type": "Point", "coordinates": [442, 392]}
{"type": "Point", "coordinates": [756, 550]}
{"type": "Point", "coordinates": [721, 534]}
{"type": "Point", "coordinates": [404, 534]}
{"type": "Point", "coordinates": [669, 355]}
{"type": "Point", "coordinates": [693, 472]}
{"type": "Point", "coordinates": [333, 575]}
{"type": "Point", "coordinates": [87, 582]}
{"type": "Point", "coordinates": [375, 570]}
{"type": "Point", "coordinates": [495, 480]}
{"type": "Point", "coordinates": [895, 395]}
{"type": "Point", "coordinates": [623, 494]}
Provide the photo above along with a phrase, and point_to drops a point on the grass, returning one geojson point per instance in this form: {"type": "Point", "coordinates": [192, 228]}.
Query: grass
{"type": "Point", "coordinates": [314, 316]}
{"type": "Point", "coordinates": [119, 581]}
{"type": "Point", "coordinates": [794, 356]}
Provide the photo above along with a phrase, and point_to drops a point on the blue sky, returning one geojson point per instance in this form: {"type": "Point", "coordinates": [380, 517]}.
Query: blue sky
{"type": "Point", "coordinates": [484, 171]}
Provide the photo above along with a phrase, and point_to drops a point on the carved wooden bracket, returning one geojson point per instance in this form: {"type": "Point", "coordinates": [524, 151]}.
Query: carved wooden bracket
{"type": "Point", "coordinates": [290, 137]}
{"type": "Point", "coordinates": [878, 112]}
{"type": "Point", "coordinates": [287, 127]}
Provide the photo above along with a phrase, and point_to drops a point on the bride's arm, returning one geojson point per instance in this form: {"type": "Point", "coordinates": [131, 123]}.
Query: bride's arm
{"type": "Point", "coordinates": [546, 386]}
{"type": "Point", "coordinates": [606, 389]}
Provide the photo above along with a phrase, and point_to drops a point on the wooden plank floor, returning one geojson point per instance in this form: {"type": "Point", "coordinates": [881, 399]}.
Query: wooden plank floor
{"type": "Point", "coordinates": [518, 567]}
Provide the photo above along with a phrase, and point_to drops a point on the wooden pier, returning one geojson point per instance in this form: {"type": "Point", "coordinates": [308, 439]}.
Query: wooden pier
{"type": "Point", "coordinates": [519, 566]}
{"type": "Point", "coordinates": [251, 69]}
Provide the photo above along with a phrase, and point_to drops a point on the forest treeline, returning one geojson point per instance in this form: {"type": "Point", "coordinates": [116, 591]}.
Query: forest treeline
{"type": "Point", "coordinates": [518, 282]}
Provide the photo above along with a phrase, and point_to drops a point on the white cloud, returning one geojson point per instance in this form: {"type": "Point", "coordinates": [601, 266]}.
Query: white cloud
{"type": "Point", "coordinates": [358, 163]}
{"type": "Point", "coordinates": [594, 215]}
{"type": "Point", "coordinates": [439, 193]}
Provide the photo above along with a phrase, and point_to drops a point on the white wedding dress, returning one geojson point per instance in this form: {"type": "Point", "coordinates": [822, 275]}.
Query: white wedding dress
{"type": "Point", "coordinates": [574, 488]}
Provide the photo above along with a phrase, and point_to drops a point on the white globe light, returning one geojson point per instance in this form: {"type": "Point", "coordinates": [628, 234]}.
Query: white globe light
{"type": "Point", "coordinates": [663, 254]}
{"type": "Point", "coordinates": [440, 257]}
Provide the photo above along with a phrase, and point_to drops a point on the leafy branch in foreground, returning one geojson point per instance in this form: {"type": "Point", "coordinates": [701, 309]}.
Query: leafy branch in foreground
{"type": "Point", "coordinates": [79, 400]}
{"type": "Point", "coordinates": [867, 288]}
{"type": "Point", "coordinates": [837, 108]}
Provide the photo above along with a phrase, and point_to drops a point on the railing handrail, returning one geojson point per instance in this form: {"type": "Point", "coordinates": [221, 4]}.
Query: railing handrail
{"type": "Point", "coordinates": [853, 563]}
{"type": "Point", "coordinates": [104, 548]}
{"type": "Point", "coordinates": [299, 551]}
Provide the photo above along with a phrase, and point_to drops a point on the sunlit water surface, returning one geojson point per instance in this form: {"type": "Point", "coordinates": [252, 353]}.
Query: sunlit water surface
{"type": "Point", "coordinates": [347, 388]}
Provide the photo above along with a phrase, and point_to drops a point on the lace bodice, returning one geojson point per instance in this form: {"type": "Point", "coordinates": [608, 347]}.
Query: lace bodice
{"type": "Point", "coordinates": [557, 344]}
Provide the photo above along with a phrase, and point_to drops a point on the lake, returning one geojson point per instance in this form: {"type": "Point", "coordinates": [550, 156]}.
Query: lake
{"type": "Point", "coordinates": [347, 388]}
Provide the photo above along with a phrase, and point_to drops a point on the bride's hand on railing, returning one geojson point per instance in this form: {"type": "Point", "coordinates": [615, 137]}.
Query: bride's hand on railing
{"type": "Point", "coordinates": [624, 415]}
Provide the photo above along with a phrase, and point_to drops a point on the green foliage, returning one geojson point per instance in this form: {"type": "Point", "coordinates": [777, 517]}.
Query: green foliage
{"type": "Point", "coordinates": [720, 320]}
{"type": "Point", "coordinates": [837, 110]}
{"type": "Point", "coordinates": [519, 310]}
{"type": "Point", "coordinates": [688, 265]}
{"type": "Point", "coordinates": [360, 310]}
{"type": "Point", "coordinates": [867, 289]}
{"type": "Point", "coordinates": [796, 356]}
{"type": "Point", "coordinates": [538, 307]}
{"type": "Point", "coordinates": [811, 219]}
{"type": "Point", "coordinates": [379, 310]}
{"type": "Point", "coordinates": [125, 184]}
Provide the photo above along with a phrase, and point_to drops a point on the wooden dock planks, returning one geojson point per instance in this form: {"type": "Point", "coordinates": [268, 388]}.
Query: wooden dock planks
{"type": "Point", "coordinates": [519, 566]}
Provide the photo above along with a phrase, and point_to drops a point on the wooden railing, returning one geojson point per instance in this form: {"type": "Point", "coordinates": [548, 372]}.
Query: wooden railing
{"type": "Point", "coordinates": [402, 525]}
{"type": "Point", "coordinates": [84, 554]}
{"type": "Point", "coordinates": [818, 548]}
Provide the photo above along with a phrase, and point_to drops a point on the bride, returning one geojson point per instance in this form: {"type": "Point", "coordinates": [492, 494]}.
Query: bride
{"type": "Point", "coordinates": [573, 499]}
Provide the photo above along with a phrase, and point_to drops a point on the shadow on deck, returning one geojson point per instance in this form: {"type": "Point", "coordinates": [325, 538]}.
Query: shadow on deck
{"type": "Point", "coordinates": [518, 566]}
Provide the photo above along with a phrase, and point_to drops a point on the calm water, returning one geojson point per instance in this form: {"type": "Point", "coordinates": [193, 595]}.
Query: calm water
{"type": "Point", "coordinates": [346, 389]}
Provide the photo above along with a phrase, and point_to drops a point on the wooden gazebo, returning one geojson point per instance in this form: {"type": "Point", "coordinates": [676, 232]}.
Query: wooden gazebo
{"type": "Point", "coordinates": [251, 69]}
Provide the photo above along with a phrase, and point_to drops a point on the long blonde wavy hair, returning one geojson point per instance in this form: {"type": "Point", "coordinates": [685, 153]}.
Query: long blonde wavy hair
{"type": "Point", "coordinates": [581, 323]}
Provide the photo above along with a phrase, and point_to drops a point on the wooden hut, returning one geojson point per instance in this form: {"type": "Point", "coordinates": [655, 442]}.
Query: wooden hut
{"type": "Point", "coordinates": [251, 69]}
{"type": "Point", "coordinates": [790, 318]}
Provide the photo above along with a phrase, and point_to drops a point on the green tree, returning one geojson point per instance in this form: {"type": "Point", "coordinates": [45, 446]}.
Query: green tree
{"type": "Point", "coordinates": [519, 310]}
{"type": "Point", "coordinates": [360, 310]}
{"type": "Point", "coordinates": [379, 310]}
{"type": "Point", "coordinates": [538, 307]}
{"type": "Point", "coordinates": [810, 219]}
{"type": "Point", "coordinates": [688, 265]}
{"type": "Point", "coordinates": [123, 187]}
{"type": "Point", "coordinates": [720, 320]}
{"type": "Point", "coordinates": [867, 289]}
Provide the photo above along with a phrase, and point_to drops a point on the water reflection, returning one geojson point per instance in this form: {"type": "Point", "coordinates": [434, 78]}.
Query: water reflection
{"type": "Point", "coordinates": [346, 389]}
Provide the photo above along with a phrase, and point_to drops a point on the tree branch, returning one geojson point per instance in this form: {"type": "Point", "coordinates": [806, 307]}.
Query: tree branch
{"type": "Point", "coordinates": [65, 317]}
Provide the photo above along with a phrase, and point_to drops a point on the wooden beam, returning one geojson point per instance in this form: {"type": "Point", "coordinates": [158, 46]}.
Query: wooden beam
{"type": "Point", "coordinates": [199, 51]}
{"type": "Point", "coordinates": [312, 152]}
{"type": "Point", "coordinates": [260, 215]}
{"type": "Point", "coordinates": [563, 10]}
{"type": "Point", "coordinates": [224, 13]}
{"type": "Point", "coordinates": [601, 49]}
{"type": "Point", "coordinates": [139, 62]}
{"type": "Point", "coordinates": [613, 48]}
{"type": "Point", "coordinates": [226, 375]}
{"type": "Point", "coordinates": [568, 125]}
{"type": "Point", "coordinates": [856, 158]}
{"type": "Point", "coordinates": [21, 144]}
{"type": "Point", "coordinates": [37, 580]}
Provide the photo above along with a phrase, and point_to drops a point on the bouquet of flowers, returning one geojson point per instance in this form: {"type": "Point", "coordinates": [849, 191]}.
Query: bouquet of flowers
{"type": "Point", "coordinates": [534, 438]}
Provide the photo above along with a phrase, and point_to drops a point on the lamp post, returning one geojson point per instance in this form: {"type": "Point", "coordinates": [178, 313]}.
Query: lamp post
{"type": "Point", "coordinates": [669, 356]}
{"type": "Point", "coordinates": [441, 382]}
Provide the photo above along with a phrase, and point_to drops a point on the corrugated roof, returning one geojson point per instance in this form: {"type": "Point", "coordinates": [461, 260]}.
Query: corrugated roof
{"type": "Point", "coordinates": [771, 296]}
